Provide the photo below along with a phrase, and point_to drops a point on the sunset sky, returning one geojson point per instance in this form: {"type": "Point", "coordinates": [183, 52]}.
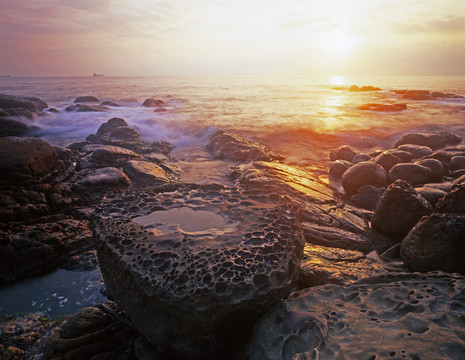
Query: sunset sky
{"type": "Point", "coordinates": [240, 37]}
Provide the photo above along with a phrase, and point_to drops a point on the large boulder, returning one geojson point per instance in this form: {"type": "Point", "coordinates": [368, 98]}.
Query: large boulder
{"type": "Point", "coordinates": [338, 168]}
{"type": "Point", "coordinates": [151, 102]}
{"type": "Point", "coordinates": [107, 178]}
{"type": "Point", "coordinates": [434, 140]}
{"type": "Point", "coordinates": [26, 158]}
{"type": "Point", "coordinates": [398, 210]}
{"type": "Point", "coordinates": [98, 156]}
{"type": "Point", "coordinates": [417, 151]}
{"type": "Point", "coordinates": [414, 174]}
{"type": "Point", "coordinates": [436, 167]}
{"type": "Point", "coordinates": [393, 316]}
{"type": "Point", "coordinates": [145, 173]}
{"type": "Point", "coordinates": [437, 242]}
{"type": "Point", "coordinates": [86, 99]}
{"type": "Point", "coordinates": [343, 152]}
{"type": "Point", "coordinates": [363, 173]}
{"type": "Point", "coordinates": [114, 132]}
{"type": "Point", "coordinates": [225, 145]}
{"type": "Point", "coordinates": [17, 102]}
{"type": "Point", "coordinates": [387, 160]}
{"type": "Point", "coordinates": [10, 127]}
{"type": "Point", "coordinates": [453, 201]}
{"type": "Point", "coordinates": [194, 267]}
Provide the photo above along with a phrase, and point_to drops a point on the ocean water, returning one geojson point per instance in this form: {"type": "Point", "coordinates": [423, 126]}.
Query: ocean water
{"type": "Point", "coordinates": [301, 118]}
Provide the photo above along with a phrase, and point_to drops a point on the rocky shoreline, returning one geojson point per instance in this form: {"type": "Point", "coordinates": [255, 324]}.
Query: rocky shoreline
{"type": "Point", "coordinates": [279, 266]}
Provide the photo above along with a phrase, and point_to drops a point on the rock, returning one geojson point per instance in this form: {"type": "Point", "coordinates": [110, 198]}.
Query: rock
{"type": "Point", "coordinates": [17, 102]}
{"type": "Point", "coordinates": [234, 147]}
{"type": "Point", "coordinates": [106, 178]}
{"type": "Point", "coordinates": [436, 243]}
{"type": "Point", "coordinates": [363, 173]}
{"type": "Point", "coordinates": [338, 168]}
{"type": "Point", "coordinates": [387, 160]}
{"type": "Point", "coordinates": [436, 167]}
{"type": "Point", "coordinates": [343, 152]}
{"type": "Point", "coordinates": [417, 151]}
{"type": "Point", "coordinates": [195, 266]}
{"type": "Point", "coordinates": [383, 107]}
{"type": "Point", "coordinates": [153, 102]}
{"type": "Point", "coordinates": [26, 158]}
{"type": "Point", "coordinates": [457, 163]}
{"type": "Point", "coordinates": [398, 210]}
{"type": "Point", "coordinates": [71, 108]}
{"type": "Point", "coordinates": [160, 109]}
{"type": "Point", "coordinates": [86, 99]}
{"type": "Point", "coordinates": [110, 103]}
{"type": "Point", "coordinates": [53, 110]}
{"type": "Point", "coordinates": [434, 140]}
{"type": "Point", "coordinates": [105, 156]}
{"type": "Point", "coordinates": [367, 197]}
{"type": "Point", "coordinates": [458, 182]}
{"type": "Point", "coordinates": [10, 127]}
{"type": "Point", "coordinates": [387, 316]}
{"type": "Point", "coordinates": [456, 174]}
{"type": "Point", "coordinates": [361, 157]}
{"type": "Point", "coordinates": [404, 156]}
{"type": "Point", "coordinates": [91, 108]}
{"type": "Point", "coordinates": [364, 88]}
{"type": "Point", "coordinates": [414, 174]}
{"type": "Point", "coordinates": [86, 320]}
{"type": "Point", "coordinates": [453, 201]}
{"type": "Point", "coordinates": [116, 131]}
{"type": "Point", "coordinates": [417, 95]}
{"type": "Point", "coordinates": [40, 103]}
{"type": "Point", "coordinates": [430, 193]}
{"type": "Point", "coordinates": [144, 172]}
{"type": "Point", "coordinates": [326, 265]}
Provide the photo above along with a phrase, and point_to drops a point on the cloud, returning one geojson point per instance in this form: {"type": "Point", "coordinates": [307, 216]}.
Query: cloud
{"type": "Point", "coordinates": [455, 25]}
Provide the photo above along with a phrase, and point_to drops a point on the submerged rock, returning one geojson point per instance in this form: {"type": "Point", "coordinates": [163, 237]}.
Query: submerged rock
{"type": "Point", "coordinates": [153, 102]}
{"type": "Point", "coordinates": [364, 88]}
{"type": "Point", "coordinates": [363, 173]}
{"type": "Point", "coordinates": [87, 108]}
{"type": "Point", "coordinates": [437, 242]}
{"type": "Point", "coordinates": [195, 266]}
{"type": "Point", "coordinates": [387, 316]}
{"type": "Point", "coordinates": [234, 147]}
{"type": "Point", "coordinates": [398, 210]}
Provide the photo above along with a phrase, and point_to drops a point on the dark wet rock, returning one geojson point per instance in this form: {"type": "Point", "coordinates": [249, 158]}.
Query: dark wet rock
{"type": "Point", "coordinates": [453, 201]}
{"type": "Point", "coordinates": [434, 140]}
{"type": "Point", "coordinates": [436, 167]}
{"type": "Point", "coordinates": [361, 157]}
{"type": "Point", "coordinates": [153, 102]}
{"type": "Point", "coordinates": [343, 152]}
{"type": "Point", "coordinates": [110, 103]}
{"type": "Point", "coordinates": [457, 163]}
{"type": "Point", "coordinates": [398, 210]}
{"type": "Point", "coordinates": [3, 113]}
{"type": "Point", "coordinates": [225, 145]}
{"type": "Point", "coordinates": [417, 151]}
{"type": "Point", "coordinates": [71, 108]}
{"type": "Point", "coordinates": [26, 158]}
{"type": "Point", "coordinates": [28, 250]}
{"type": "Point", "coordinates": [17, 102]}
{"type": "Point", "coordinates": [160, 109]}
{"type": "Point", "coordinates": [24, 113]}
{"type": "Point", "coordinates": [78, 145]}
{"type": "Point", "coordinates": [443, 157]}
{"type": "Point", "coordinates": [98, 333]}
{"type": "Point", "coordinates": [367, 197]}
{"type": "Point", "coordinates": [98, 156]}
{"type": "Point", "coordinates": [404, 156]}
{"type": "Point", "coordinates": [430, 193]}
{"type": "Point", "coordinates": [9, 127]}
{"type": "Point", "coordinates": [326, 265]}
{"type": "Point", "coordinates": [102, 178]}
{"type": "Point", "coordinates": [382, 317]}
{"type": "Point", "coordinates": [364, 88]}
{"type": "Point", "coordinates": [387, 160]}
{"type": "Point", "coordinates": [414, 174]}
{"type": "Point", "coordinates": [91, 108]}
{"type": "Point", "coordinates": [458, 182]}
{"type": "Point", "coordinates": [19, 203]}
{"type": "Point", "coordinates": [417, 95]}
{"type": "Point", "coordinates": [53, 110]}
{"type": "Point", "coordinates": [363, 173]}
{"type": "Point", "coordinates": [145, 173]}
{"type": "Point", "coordinates": [202, 263]}
{"type": "Point", "coordinates": [86, 99]}
{"type": "Point", "coordinates": [338, 168]}
{"type": "Point", "coordinates": [456, 174]}
{"type": "Point", "coordinates": [114, 132]}
{"type": "Point", "coordinates": [383, 107]}
{"type": "Point", "coordinates": [440, 95]}
{"type": "Point", "coordinates": [436, 243]}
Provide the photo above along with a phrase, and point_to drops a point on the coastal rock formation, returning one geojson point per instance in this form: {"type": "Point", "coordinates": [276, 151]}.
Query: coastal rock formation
{"type": "Point", "coordinates": [9, 127]}
{"type": "Point", "coordinates": [453, 201]}
{"type": "Point", "coordinates": [98, 156]}
{"type": "Point", "coordinates": [86, 99]}
{"type": "Point", "coordinates": [387, 316]}
{"type": "Point", "coordinates": [87, 108]}
{"type": "Point", "coordinates": [194, 266]}
{"type": "Point", "coordinates": [434, 140]}
{"type": "Point", "coordinates": [234, 147]}
{"type": "Point", "coordinates": [398, 210]}
{"type": "Point", "coordinates": [364, 88]}
{"type": "Point", "coordinates": [367, 197]}
{"type": "Point", "coordinates": [151, 102]}
{"type": "Point", "coordinates": [145, 173]}
{"type": "Point", "coordinates": [25, 159]}
{"type": "Point", "coordinates": [431, 194]}
{"type": "Point", "coordinates": [436, 243]}
{"type": "Point", "coordinates": [414, 174]}
{"type": "Point", "coordinates": [338, 168]}
{"type": "Point", "coordinates": [417, 151]}
{"type": "Point", "coordinates": [17, 102]}
{"type": "Point", "coordinates": [105, 178]}
{"type": "Point", "coordinates": [343, 152]}
{"type": "Point", "coordinates": [436, 167]}
{"type": "Point", "coordinates": [363, 173]}
{"type": "Point", "coordinates": [417, 95]}
{"type": "Point", "coordinates": [457, 163]}
{"type": "Point", "coordinates": [110, 103]}
{"type": "Point", "coordinates": [387, 160]}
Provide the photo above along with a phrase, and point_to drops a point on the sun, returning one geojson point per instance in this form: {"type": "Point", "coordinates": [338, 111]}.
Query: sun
{"type": "Point", "coordinates": [338, 41]}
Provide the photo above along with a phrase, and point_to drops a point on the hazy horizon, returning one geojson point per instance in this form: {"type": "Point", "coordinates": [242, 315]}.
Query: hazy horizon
{"type": "Point", "coordinates": [242, 38]}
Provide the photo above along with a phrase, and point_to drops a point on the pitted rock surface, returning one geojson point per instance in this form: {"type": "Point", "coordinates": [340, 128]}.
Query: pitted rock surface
{"type": "Point", "coordinates": [399, 316]}
{"type": "Point", "coordinates": [193, 265]}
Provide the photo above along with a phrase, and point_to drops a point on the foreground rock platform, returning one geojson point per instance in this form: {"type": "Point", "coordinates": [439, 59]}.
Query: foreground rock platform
{"type": "Point", "coordinates": [398, 316]}
{"type": "Point", "coordinates": [194, 266]}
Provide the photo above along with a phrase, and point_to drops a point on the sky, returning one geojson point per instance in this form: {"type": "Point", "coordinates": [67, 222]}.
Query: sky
{"type": "Point", "coordinates": [232, 38]}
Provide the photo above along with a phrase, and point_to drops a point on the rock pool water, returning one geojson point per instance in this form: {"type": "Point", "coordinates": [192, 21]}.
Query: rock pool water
{"type": "Point", "coordinates": [60, 293]}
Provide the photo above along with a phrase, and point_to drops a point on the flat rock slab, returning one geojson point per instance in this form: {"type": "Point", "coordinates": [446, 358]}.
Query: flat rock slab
{"type": "Point", "coordinates": [193, 267]}
{"type": "Point", "coordinates": [399, 316]}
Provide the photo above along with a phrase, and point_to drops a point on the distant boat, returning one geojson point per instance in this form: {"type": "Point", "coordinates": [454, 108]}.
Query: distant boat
{"type": "Point", "coordinates": [95, 74]}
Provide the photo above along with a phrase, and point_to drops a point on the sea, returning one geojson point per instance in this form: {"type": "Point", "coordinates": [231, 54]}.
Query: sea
{"type": "Point", "coordinates": [301, 118]}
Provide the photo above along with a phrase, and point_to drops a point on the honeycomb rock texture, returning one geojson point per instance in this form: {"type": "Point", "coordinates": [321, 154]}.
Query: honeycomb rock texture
{"type": "Point", "coordinates": [194, 265]}
{"type": "Point", "coordinates": [393, 316]}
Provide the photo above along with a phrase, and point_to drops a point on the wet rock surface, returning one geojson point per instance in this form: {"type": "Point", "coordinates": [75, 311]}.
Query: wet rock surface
{"type": "Point", "coordinates": [406, 315]}
{"type": "Point", "coordinates": [363, 173]}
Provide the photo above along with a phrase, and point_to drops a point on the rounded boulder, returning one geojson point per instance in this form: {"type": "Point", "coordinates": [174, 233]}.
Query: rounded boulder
{"type": "Point", "coordinates": [363, 173]}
